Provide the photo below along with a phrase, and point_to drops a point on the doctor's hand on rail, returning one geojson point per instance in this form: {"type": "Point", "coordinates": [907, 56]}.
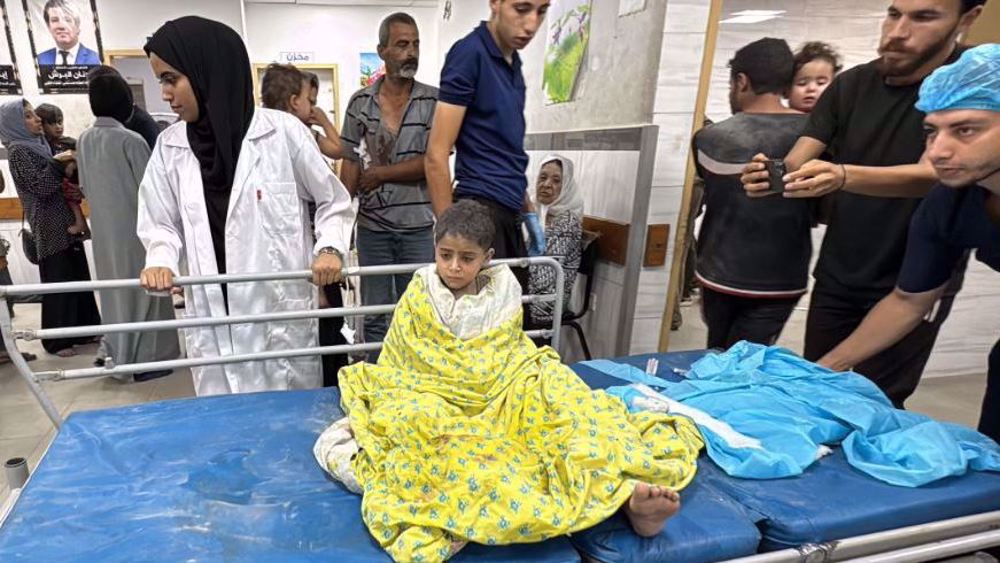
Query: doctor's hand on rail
{"type": "Point", "coordinates": [157, 279]}
{"type": "Point", "coordinates": [327, 268]}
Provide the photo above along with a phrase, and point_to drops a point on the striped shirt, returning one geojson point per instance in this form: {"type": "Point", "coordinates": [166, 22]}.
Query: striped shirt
{"type": "Point", "coordinates": [393, 206]}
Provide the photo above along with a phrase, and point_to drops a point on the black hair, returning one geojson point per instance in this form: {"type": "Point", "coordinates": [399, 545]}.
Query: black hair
{"type": "Point", "coordinates": [279, 84]}
{"type": "Point", "coordinates": [467, 219]}
{"type": "Point", "coordinates": [817, 51]}
{"type": "Point", "coordinates": [313, 79]}
{"type": "Point", "coordinates": [49, 114]}
{"type": "Point", "coordinates": [768, 63]}
{"type": "Point", "coordinates": [102, 70]}
{"type": "Point", "coordinates": [386, 26]}
{"type": "Point", "coordinates": [970, 4]}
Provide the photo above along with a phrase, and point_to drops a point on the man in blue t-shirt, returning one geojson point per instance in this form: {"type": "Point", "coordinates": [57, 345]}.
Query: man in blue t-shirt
{"type": "Point", "coordinates": [962, 103]}
{"type": "Point", "coordinates": [480, 113]}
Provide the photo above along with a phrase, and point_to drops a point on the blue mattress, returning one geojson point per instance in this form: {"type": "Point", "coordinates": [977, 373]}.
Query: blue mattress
{"type": "Point", "coordinates": [831, 500]}
{"type": "Point", "coordinates": [214, 479]}
{"type": "Point", "coordinates": [711, 526]}
{"type": "Point", "coordinates": [233, 478]}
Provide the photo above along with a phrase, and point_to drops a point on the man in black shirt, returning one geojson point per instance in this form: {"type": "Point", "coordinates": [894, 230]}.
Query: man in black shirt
{"type": "Point", "coordinates": [867, 123]}
{"type": "Point", "coordinates": [753, 254]}
{"type": "Point", "coordinates": [960, 213]}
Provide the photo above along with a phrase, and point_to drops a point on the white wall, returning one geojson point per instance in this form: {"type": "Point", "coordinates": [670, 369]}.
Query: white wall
{"type": "Point", "coordinates": [465, 16]}
{"type": "Point", "coordinates": [335, 35]}
{"type": "Point", "coordinates": [617, 78]}
{"type": "Point", "coordinates": [682, 48]}
{"type": "Point", "coordinates": [125, 24]}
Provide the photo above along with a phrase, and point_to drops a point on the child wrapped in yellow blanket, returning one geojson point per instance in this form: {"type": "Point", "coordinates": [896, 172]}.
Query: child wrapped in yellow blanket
{"type": "Point", "coordinates": [466, 432]}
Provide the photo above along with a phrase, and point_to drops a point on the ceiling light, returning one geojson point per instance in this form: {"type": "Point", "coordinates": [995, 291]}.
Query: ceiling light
{"type": "Point", "coordinates": [759, 13]}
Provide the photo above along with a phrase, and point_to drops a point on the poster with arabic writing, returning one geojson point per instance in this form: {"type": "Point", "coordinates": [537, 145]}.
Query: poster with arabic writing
{"type": "Point", "coordinates": [65, 38]}
{"type": "Point", "coordinates": [566, 43]}
{"type": "Point", "coordinates": [10, 82]}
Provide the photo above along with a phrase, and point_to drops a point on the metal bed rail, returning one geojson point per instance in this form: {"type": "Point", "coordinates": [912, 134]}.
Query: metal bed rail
{"type": "Point", "coordinates": [911, 544]}
{"type": "Point", "coordinates": [34, 379]}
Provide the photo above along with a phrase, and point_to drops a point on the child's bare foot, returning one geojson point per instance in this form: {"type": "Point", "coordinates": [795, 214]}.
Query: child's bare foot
{"type": "Point", "coordinates": [77, 229]}
{"type": "Point", "coordinates": [649, 508]}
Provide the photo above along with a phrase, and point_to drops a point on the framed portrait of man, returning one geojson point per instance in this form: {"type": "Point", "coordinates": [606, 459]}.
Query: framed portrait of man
{"type": "Point", "coordinates": [65, 38]}
{"type": "Point", "coordinates": [10, 82]}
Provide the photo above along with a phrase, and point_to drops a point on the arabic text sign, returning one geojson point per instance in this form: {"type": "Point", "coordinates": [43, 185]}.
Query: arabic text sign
{"type": "Point", "coordinates": [60, 78]}
{"type": "Point", "coordinates": [295, 57]}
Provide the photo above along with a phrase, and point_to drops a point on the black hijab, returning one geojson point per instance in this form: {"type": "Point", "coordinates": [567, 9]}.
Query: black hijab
{"type": "Point", "coordinates": [110, 96]}
{"type": "Point", "coordinates": [215, 61]}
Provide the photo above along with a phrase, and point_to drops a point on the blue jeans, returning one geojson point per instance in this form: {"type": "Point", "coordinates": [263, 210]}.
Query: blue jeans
{"type": "Point", "coordinates": [379, 248]}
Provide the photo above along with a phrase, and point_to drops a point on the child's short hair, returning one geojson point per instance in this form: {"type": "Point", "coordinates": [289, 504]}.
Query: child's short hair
{"type": "Point", "coordinates": [817, 50]}
{"type": "Point", "coordinates": [49, 114]}
{"type": "Point", "coordinates": [467, 219]}
{"type": "Point", "coordinates": [279, 84]}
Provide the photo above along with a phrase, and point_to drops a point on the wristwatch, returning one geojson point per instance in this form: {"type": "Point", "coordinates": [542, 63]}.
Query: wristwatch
{"type": "Point", "coordinates": [330, 250]}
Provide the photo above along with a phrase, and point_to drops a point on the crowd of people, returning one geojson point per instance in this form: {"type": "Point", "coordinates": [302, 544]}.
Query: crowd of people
{"type": "Point", "coordinates": [864, 162]}
{"type": "Point", "coordinates": [380, 152]}
{"type": "Point", "coordinates": [898, 157]}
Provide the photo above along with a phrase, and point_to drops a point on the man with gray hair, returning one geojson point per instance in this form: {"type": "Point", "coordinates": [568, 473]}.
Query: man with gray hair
{"type": "Point", "coordinates": [384, 139]}
{"type": "Point", "coordinates": [63, 21]}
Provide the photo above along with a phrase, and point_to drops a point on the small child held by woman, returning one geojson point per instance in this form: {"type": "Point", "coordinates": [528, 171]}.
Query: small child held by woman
{"type": "Point", "coordinates": [64, 158]}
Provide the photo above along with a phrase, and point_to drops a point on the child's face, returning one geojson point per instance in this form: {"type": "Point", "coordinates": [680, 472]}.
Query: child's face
{"type": "Point", "coordinates": [53, 131]}
{"type": "Point", "coordinates": [810, 82]}
{"type": "Point", "coordinates": [302, 103]}
{"type": "Point", "coordinates": [459, 261]}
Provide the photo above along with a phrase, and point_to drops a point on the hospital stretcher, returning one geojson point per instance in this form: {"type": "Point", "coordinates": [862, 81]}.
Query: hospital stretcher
{"type": "Point", "coordinates": [233, 478]}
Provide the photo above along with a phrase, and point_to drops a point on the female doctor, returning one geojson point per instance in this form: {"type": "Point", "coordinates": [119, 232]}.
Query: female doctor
{"type": "Point", "coordinates": [227, 186]}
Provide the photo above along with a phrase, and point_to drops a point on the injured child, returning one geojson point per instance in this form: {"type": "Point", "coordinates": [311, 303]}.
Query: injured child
{"type": "Point", "coordinates": [466, 432]}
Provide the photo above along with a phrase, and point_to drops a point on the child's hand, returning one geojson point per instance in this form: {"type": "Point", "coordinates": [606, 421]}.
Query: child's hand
{"type": "Point", "coordinates": [65, 156]}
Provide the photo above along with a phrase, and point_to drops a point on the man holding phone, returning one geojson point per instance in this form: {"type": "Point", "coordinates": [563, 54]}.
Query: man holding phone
{"type": "Point", "coordinates": [867, 122]}
{"type": "Point", "coordinates": [962, 212]}
{"type": "Point", "coordinates": [753, 254]}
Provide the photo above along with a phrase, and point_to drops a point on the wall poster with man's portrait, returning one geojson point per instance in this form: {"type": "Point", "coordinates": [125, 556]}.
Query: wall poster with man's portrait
{"type": "Point", "coordinates": [10, 82]}
{"type": "Point", "coordinates": [65, 38]}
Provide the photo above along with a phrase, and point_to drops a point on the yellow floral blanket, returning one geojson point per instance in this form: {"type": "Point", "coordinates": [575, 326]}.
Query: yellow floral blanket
{"type": "Point", "coordinates": [492, 440]}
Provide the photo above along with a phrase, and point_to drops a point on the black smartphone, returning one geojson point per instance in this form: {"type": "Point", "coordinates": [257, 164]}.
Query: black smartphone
{"type": "Point", "coordinates": [776, 173]}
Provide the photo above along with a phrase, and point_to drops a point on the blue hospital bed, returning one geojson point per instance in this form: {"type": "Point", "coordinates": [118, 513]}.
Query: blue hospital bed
{"type": "Point", "coordinates": [233, 478]}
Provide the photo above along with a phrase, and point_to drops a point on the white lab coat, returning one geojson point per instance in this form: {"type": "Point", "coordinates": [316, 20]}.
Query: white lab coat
{"type": "Point", "coordinates": [280, 169]}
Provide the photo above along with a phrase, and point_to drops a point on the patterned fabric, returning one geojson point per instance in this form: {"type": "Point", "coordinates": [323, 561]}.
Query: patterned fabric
{"type": "Point", "coordinates": [492, 440]}
{"type": "Point", "coordinates": [41, 191]}
{"type": "Point", "coordinates": [563, 241]}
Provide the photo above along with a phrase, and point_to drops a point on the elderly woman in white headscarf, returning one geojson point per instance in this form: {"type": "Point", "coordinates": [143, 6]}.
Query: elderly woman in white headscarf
{"type": "Point", "coordinates": [560, 206]}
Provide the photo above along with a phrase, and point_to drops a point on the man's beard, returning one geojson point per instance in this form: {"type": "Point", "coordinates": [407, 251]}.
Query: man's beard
{"type": "Point", "coordinates": [921, 59]}
{"type": "Point", "coordinates": [408, 70]}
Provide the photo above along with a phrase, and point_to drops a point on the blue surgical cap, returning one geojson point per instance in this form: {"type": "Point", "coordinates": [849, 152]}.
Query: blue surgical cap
{"type": "Point", "coordinates": [971, 82]}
